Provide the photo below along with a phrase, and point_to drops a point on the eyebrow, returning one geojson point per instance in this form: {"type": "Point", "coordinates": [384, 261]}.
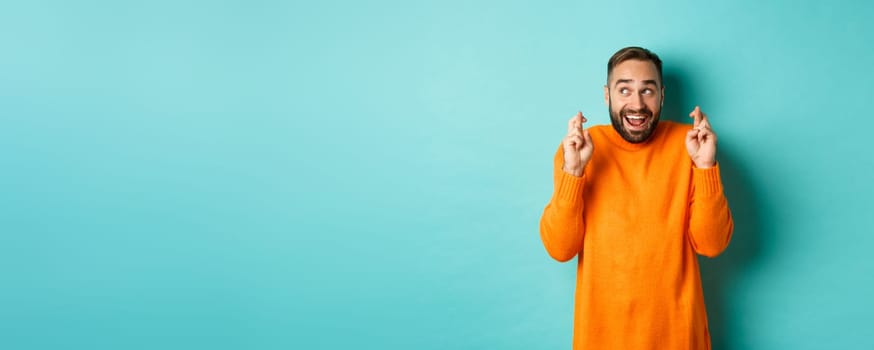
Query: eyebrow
{"type": "Point", "coordinates": [645, 82]}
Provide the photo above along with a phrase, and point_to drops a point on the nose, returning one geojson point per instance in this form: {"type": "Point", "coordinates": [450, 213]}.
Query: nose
{"type": "Point", "coordinates": [636, 102]}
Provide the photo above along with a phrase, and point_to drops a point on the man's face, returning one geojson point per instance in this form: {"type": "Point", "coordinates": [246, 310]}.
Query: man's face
{"type": "Point", "coordinates": [634, 96]}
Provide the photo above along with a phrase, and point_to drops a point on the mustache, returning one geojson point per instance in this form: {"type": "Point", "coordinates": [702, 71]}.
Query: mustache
{"type": "Point", "coordinates": [643, 111]}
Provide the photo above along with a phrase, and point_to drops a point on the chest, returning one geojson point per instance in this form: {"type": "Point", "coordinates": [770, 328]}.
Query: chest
{"type": "Point", "coordinates": [634, 191]}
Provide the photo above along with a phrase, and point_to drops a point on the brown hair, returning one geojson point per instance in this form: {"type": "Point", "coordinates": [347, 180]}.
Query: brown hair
{"type": "Point", "coordinates": [634, 53]}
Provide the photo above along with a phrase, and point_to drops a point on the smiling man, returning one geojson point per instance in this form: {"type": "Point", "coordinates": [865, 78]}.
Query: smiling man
{"type": "Point", "coordinates": [636, 202]}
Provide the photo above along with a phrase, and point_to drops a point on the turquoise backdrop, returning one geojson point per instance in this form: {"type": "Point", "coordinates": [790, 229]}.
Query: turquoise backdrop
{"type": "Point", "coordinates": [370, 175]}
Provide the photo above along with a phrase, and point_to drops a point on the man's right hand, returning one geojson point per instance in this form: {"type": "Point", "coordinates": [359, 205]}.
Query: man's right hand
{"type": "Point", "coordinates": [577, 146]}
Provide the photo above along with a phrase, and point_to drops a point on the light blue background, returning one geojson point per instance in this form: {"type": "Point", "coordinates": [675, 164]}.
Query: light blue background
{"type": "Point", "coordinates": [326, 175]}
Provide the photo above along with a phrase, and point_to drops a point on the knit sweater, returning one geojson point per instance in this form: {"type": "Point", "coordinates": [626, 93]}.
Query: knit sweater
{"type": "Point", "coordinates": [636, 218]}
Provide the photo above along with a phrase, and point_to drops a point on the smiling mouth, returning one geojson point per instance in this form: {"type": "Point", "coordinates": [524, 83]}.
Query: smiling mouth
{"type": "Point", "coordinates": [636, 121]}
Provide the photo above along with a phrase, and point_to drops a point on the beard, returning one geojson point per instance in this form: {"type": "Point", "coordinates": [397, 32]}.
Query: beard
{"type": "Point", "coordinates": [617, 118]}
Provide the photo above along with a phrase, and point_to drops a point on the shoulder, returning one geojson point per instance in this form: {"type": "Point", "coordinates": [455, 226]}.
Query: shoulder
{"type": "Point", "coordinates": [600, 130]}
{"type": "Point", "coordinates": [671, 130]}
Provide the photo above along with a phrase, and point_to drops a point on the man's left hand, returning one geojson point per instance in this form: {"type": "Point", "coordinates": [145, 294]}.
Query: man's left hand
{"type": "Point", "coordinates": [701, 141]}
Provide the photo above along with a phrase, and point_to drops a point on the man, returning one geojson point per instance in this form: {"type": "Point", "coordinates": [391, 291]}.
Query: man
{"type": "Point", "coordinates": [636, 202]}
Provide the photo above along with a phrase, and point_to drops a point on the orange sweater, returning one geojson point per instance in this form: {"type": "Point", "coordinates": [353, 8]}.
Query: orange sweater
{"type": "Point", "coordinates": [636, 218]}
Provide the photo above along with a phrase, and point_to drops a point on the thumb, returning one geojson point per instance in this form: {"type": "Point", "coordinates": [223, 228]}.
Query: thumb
{"type": "Point", "coordinates": [587, 137]}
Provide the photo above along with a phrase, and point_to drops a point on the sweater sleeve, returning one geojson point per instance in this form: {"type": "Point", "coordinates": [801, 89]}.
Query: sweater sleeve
{"type": "Point", "coordinates": [561, 226]}
{"type": "Point", "coordinates": [710, 222]}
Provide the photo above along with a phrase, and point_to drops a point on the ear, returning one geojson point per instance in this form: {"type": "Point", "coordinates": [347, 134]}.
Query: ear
{"type": "Point", "coordinates": [607, 96]}
{"type": "Point", "coordinates": [663, 96]}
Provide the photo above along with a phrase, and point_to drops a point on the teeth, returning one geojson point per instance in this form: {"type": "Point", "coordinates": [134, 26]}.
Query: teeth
{"type": "Point", "coordinates": [635, 117]}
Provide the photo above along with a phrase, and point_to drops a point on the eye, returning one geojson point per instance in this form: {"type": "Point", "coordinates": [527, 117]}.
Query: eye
{"type": "Point", "coordinates": [623, 91]}
{"type": "Point", "coordinates": [647, 91]}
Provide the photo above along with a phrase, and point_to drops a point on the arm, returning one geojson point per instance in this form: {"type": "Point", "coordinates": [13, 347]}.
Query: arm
{"type": "Point", "coordinates": [710, 222]}
{"type": "Point", "coordinates": [561, 226]}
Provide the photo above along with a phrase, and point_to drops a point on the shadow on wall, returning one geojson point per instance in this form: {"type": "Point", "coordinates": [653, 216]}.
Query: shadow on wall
{"type": "Point", "coordinates": [720, 274]}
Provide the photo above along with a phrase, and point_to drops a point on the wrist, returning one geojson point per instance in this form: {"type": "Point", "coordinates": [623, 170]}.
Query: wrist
{"type": "Point", "coordinates": [705, 165]}
{"type": "Point", "coordinates": [573, 172]}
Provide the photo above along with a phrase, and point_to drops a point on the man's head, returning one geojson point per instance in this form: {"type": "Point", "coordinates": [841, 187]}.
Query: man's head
{"type": "Point", "coordinates": [634, 93]}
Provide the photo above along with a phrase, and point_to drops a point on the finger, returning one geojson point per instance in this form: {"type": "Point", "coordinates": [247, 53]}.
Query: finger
{"type": "Point", "coordinates": [576, 141]}
{"type": "Point", "coordinates": [692, 135]}
{"type": "Point", "coordinates": [573, 137]}
{"type": "Point", "coordinates": [579, 140]}
{"type": "Point", "coordinates": [705, 123]}
{"type": "Point", "coordinates": [587, 137]}
{"type": "Point", "coordinates": [708, 135]}
{"type": "Point", "coordinates": [696, 114]}
{"type": "Point", "coordinates": [588, 140]}
{"type": "Point", "coordinates": [579, 130]}
{"type": "Point", "coordinates": [575, 130]}
{"type": "Point", "coordinates": [705, 136]}
{"type": "Point", "coordinates": [574, 123]}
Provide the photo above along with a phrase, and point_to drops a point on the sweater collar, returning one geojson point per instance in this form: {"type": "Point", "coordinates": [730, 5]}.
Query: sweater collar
{"type": "Point", "coordinates": [617, 139]}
